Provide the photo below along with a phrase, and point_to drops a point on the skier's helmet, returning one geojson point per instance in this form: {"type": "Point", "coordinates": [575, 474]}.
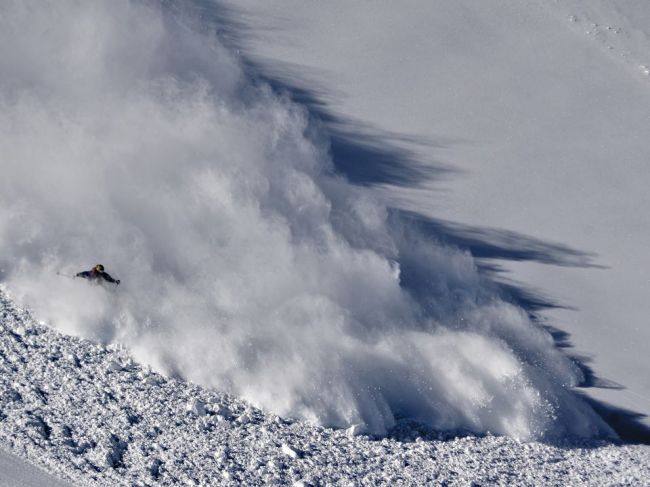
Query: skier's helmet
{"type": "Point", "coordinates": [99, 268]}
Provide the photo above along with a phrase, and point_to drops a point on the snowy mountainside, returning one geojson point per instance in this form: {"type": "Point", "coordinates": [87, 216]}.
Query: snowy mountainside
{"type": "Point", "coordinates": [530, 119]}
{"type": "Point", "coordinates": [248, 264]}
{"type": "Point", "coordinates": [93, 416]}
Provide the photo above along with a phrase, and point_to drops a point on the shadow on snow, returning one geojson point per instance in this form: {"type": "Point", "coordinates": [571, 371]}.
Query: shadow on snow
{"type": "Point", "coordinates": [368, 157]}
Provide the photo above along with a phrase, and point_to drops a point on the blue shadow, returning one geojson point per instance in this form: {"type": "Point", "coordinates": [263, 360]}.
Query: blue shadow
{"type": "Point", "coordinates": [368, 156]}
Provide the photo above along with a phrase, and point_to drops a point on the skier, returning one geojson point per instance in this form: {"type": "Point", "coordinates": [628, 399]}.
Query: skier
{"type": "Point", "coordinates": [97, 273]}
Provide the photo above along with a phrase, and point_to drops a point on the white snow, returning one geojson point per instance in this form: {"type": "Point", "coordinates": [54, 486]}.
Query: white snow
{"type": "Point", "coordinates": [265, 298]}
{"type": "Point", "coordinates": [15, 472]}
{"type": "Point", "coordinates": [541, 109]}
{"type": "Point", "coordinates": [289, 451]}
{"type": "Point", "coordinates": [197, 407]}
{"type": "Point", "coordinates": [247, 263]}
{"type": "Point", "coordinates": [92, 426]}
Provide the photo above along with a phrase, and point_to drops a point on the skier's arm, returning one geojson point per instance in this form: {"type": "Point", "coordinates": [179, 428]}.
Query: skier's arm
{"type": "Point", "coordinates": [107, 277]}
{"type": "Point", "coordinates": [84, 274]}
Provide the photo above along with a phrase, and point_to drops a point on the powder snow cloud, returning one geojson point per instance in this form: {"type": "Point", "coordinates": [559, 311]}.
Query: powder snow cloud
{"type": "Point", "coordinates": [132, 136]}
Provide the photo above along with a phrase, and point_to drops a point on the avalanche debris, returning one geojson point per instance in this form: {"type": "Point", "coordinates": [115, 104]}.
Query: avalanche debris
{"type": "Point", "coordinates": [75, 409]}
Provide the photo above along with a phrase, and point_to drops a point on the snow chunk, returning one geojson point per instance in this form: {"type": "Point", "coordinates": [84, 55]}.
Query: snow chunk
{"type": "Point", "coordinates": [115, 366]}
{"type": "Point", "coordinates": [197, 407]}
{"type": "Point", "coordinates": [356, 430]}
{"type": "Point", "coordinates": [72, 358]}
{"type": "Point", "coordinates": [244, 419]}
{"type": "Point", "coordinates": [222, 411]}
{"type": "Point", "coordinates": [152, 380]}
{"type": "Point", "coordinates": [289, 451]}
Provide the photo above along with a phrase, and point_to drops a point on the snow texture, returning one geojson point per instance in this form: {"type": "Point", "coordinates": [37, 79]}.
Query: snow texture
{"type": "Point", "coordinates": [16, 472]}
{"type": "Point", "coordinates": [66, 407]}
{"type": "Point", "coordinates": [519, 129]}
{"type": "Point", "coordinates": [247, 263]}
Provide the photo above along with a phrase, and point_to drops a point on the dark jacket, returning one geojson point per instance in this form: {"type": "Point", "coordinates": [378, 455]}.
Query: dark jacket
{"type": "Point", "coordinates": [95, 275]}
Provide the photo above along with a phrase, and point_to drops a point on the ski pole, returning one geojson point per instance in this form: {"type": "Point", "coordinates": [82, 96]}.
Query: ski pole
{"type": "Point", "coordinates": [64, 275]}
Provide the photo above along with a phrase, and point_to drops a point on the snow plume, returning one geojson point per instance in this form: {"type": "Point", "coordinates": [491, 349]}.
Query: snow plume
{"type": "Point", "coordinates": [130, 136]}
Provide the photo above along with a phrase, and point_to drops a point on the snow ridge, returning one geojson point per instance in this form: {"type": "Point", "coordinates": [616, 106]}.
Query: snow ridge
{"type": "Point", "coordinates": [93, 416]}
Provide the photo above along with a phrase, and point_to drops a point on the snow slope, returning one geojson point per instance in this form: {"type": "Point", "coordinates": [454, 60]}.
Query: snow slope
{"type": "Point", "coordinates": [529, 120]}
{"type": "Point", "coordinates": [248, 264]}
{"type": "Point", "coordinates": [255, 276]}
{"type": "Point", "coordinates": [15, 472]}
{"type": "Point", "coordinates": [93, 416]}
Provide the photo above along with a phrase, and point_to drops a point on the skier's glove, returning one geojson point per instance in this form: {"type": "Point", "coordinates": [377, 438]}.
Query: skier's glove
{"type": "Point", "coordinates": [117, 283]}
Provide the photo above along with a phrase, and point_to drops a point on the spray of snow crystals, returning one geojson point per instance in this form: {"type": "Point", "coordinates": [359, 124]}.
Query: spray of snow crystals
{"type": "Point", "coordinates": [131, 136]}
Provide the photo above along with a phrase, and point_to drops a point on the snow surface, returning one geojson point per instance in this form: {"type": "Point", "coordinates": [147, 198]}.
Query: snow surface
{"type": "Point", "coordinates": [255, 276]}
{"type": "Point", "coordinates": [16, 472]}
{"type": "Point", "coordinates": [93, 416]}
{"type": "Point", "coordinates": [530, 121]}
{"type": "Point", "coordinates": [247, 263]}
